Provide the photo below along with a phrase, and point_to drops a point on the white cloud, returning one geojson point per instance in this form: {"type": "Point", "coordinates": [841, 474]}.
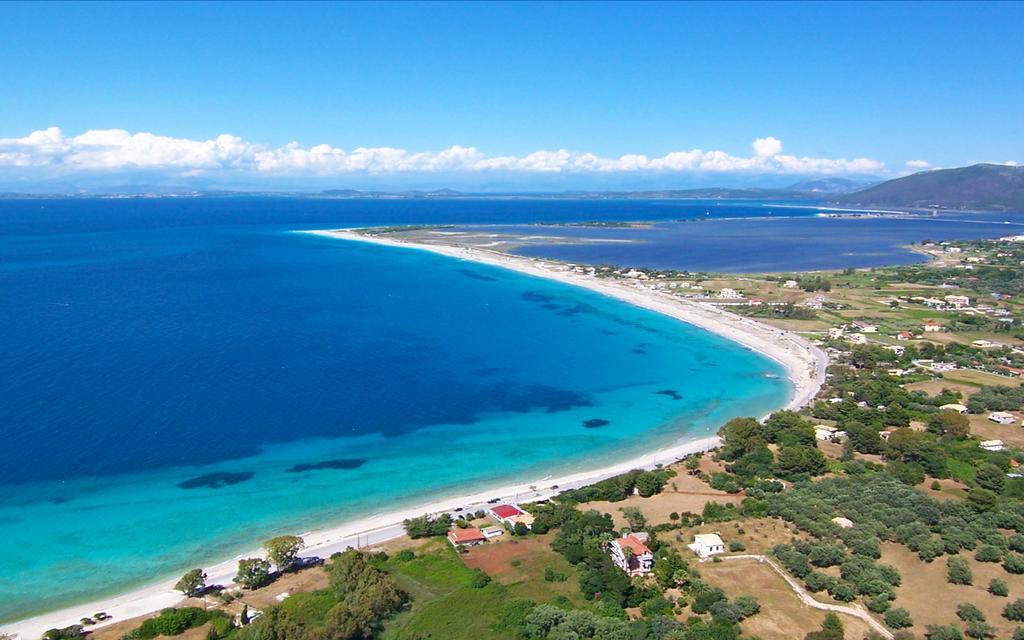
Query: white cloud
{"type": "Point", "coordinates": [101, 150]}
{"type": "Point", "coordinates": [918, 164]}
{"type": "Point", "coordinates": [767, 146]}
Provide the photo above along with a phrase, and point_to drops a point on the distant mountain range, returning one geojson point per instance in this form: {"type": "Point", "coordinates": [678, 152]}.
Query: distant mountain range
{"type": "Point", "coordinates": [980, 187]}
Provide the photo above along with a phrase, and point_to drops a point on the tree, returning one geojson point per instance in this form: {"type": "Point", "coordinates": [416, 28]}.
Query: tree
{"type": "Point", "coordinates": [520, 529]}
{"type": "Point", "coordinates": [794, 460]}
{"type": "Point", "coordinates": [741, 436]}
{"type": "Point", "coordinates": [998, 587]}
{"type": "Point", "coordinates": [747, 606]}
{"type": "Point", "coordinates": [864, 438]}
{"type": "Point", "coordinates": [1014, 610]}
{"type": "Point", "coordinates": [988, 553]}
{"type": "Point", "coordinates": [951, 424]}
{"type": "Point", "coordinates": [990, 477]}
{"type": "Point", "coordinates": [634, 518]}
{"type": "Point", "coordinates": [831, 629]}
{"type": "Point", "coordinates": [426, 526]}
{"type": "Point", "coordinates": [253, 573]}
{"type": "Point", "coordinates": [1014, 563]}
{"type": "Point", "coordinates": [942, 632]}
{"type": "Point", "coordinates": [982, 499]}
{"type": "Point", "coordinates": [898, 619]}
{"type": "Point", "coordinates": [958, 571]}
{"type": "Point", "coordinates": [192, 583]}
{"type": "Point", "coordinates": [283, 550]}
{"type": "Point", "coordinates": [969, 612]}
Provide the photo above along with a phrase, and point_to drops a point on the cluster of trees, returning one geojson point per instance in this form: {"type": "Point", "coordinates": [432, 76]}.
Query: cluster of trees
{"type": "Point", "coordinates": [997, 398]}
{"type": "Point", "coordinates": [360, 598]}
{"type": "Point", "coordinates": [885, 509]}
{"type": "Point", "coordinates": [746, 448]}
{"type": "Point", "coordinates": [859, 575]}
{"type": "Point", "coordinates": [646, 483]}
{"type": "Point", "coordinates": [427, 527]}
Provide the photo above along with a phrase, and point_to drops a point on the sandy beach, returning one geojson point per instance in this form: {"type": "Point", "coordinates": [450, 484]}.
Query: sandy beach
{"type": "Point", "coordinates": [804, 363]}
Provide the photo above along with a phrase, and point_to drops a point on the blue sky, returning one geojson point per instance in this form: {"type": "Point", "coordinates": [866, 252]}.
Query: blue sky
{"type": "Point", "coordinates": [835, 83]}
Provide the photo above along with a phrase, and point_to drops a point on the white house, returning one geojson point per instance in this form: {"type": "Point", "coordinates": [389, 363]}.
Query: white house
{"type": "Point", "coordinates": [992, 445]}
{"type": "Point", "coordinates": [1002, 417]}
{"type": "Point", "coordinates": [865, 327]}
{"type": "Point", "coordinates": [943, 366]}
{"type": "Point", "coordinates": [835, 332]}
{"type": "Point", "coordinates": [983, 344]}
{"type": "Point", "coordinates": [958, 301]}
{"type": "Point", "coordinates": [824, 432]}
{"type": "Point", "coordinates": [933, 327]}
{"type": "Point", "coordinates": [857, 338]}
{"type": "Point", "coordinates": [959, 408]}
{"type": "Point", "coordinates": [630, 553]}
{"type": "Point", "coordinates": [789, 284]}
{"type": "Point", "coordinates": [706, 545]}
{"type": "Point", "coordinates": [729, 293]}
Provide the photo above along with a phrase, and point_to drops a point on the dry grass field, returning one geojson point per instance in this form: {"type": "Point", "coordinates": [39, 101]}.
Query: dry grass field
{"type": "Point", "coordinates": [783, 616]}
{"type": "Point", "coordinates": [930, 599]}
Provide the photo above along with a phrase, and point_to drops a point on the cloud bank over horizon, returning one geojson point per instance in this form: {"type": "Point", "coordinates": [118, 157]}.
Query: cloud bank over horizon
{"type": "Point", "coordinates": [52, 153]}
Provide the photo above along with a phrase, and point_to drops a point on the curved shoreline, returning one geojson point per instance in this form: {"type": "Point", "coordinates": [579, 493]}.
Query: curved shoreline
{"type": "Point", "coordinates": [805, 365]}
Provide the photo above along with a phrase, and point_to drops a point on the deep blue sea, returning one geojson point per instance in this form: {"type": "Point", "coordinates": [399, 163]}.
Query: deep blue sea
{"type": "Point", "coordinates": [182, 378]}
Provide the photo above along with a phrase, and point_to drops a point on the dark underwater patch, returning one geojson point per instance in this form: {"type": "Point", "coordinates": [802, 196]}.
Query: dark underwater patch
{"type": "Point", "coordinates": [595, 423]}
{"type": "Point", "coordinates": [671, 393]}
{"type": "Point", "coordinates": [216, 480]}
{"type": "Point", "coordinates": [341, 463]}
{"type": "Point", "coordinates": [537, 296]}
{"type": "Point", "coordinates": [469, 273]}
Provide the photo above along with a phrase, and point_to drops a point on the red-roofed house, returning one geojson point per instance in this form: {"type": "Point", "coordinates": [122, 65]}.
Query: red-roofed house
{"type": "Point", "coordinates": [469, 537]}
{"type": "Point", "coordinates": [631, 554]}
{"type": "Point", "coordinates": [510, 515]}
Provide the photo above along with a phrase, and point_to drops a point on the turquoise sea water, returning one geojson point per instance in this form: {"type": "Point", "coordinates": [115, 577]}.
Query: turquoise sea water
{"type": "Point", "coordinates": [174, 393]}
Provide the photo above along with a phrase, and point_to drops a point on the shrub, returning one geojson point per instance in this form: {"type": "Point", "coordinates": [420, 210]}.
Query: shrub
{"type": "Point", "coordinates": [479, 579]}
{"type": "Point", "coordinates": [968, 612]}
{"type": "Point", "coordinates": [551, 575]}
{"type": "Point", "coordinates": [988, 553]}
{"type": "Point", "coordinates": [998, 587]}
{"type": "Point", "coordinates": [943, 632]}
{"type": "Point", "coordinates": [898, 619]}
{"type": "Point", "coordinates": [958, 571]}
{"type": "Point", "coordinates": [405, 555]}
{"type": "Point", "coordinates": [747, 606]}
{"type": "Point", "coordinates": [1014, 610]}
{"type": "Point", "coordinates": [977, 629]}
{"type": "Point", "coordinates": [1014, 563]}
{"type": "Point", "coordinates": [736, 545]}
{"type": "Point", "coordinates": [879, 603]}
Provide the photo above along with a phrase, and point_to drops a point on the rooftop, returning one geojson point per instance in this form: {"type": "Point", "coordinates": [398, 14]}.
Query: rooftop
{"type": "Point", "coordinates": [507, 511]}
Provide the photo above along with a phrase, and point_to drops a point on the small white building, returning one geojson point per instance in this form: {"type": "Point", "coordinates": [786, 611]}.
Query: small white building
{"type": "Point", "coordinates": [983, 344]}
{"type": "Point", "coordinates": [857, 338]}
{"type": "Point", "coordinates": [865, 327]}
{"type": "Point", "coordinates": [492, 532]}
{"type": "Point", "coordinates": [943, 366]}
{"type": "Point", "coordinates": [729, 293]}
{"type": "Point", "coordinates": [835, 332]}
{"type": "Point", "coordinates": [706, 545]}
{"type": "Point", "coordinates": [1001, 417]}
{"type": "Point", "coordinates": [933, 327]}
{"type": "Point", "coordinates": [789, 284]}
{"type": "Point", "coordinates": [959, 408]}
{"type": "Point", "coordinates": [992, 445]}
{"type": "Point", "coordinates": [824, 432]}
{"type": "Point", "coordinates": [630, 553]}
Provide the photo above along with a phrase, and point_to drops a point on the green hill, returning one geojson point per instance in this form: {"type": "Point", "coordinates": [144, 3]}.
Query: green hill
{"type": "Point", "coordinates": [987, 187]}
